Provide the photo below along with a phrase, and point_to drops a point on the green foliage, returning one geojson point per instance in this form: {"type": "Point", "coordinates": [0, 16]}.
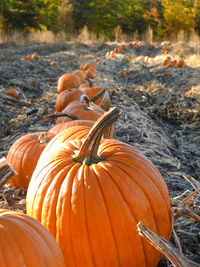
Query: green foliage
{"type": "Point", "coordinates": [165, 17]}
{"type": "Point", "coordinates": [178, 15]}
{"type": "Point", "coordinates": [29, 15]}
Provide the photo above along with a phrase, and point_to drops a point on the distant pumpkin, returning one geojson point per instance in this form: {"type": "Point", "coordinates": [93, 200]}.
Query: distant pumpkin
{"type": "Point", "coordinates": [53, 63]}
{"type": "Point", "coordinates": [34, 56]}
{"type": "Point", "coordinates": [12, 92]}
{"type": "Point", "coordinates": [67, 81]}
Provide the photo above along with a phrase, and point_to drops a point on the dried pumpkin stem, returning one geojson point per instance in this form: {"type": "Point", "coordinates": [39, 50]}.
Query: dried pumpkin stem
{"type": "Point", "coordinates": [43, 137]}
{"type": "Point", "coordinates": [95, 97]}
{"type": "Point", "coordinates": [60, 114]}
{"type": "Point", "coordinates": [6, 171]}
{"type": "Point", "coordinates": [88, 151]}
{"type": "Point", "coordinates": [85, 99]}
{"type": "Point", "coordinates": [165, 247]}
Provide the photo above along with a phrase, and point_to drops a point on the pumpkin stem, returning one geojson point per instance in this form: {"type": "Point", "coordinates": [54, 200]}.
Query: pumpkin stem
{"type": "Point", "coordinates": [85, 99]}
{"type": "Point", "coordinates": [95, 97]}
{"type": "Point", "coordinates": [43, 137]}
{"type": "Point", "coordinates": [88, 151]}
{"type": "Point", "coordinates": [6, 171]}
{"type": "Point", "coordinates": [60, 114]}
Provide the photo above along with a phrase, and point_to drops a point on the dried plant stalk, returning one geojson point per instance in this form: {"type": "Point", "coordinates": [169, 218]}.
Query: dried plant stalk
{"type": "Point", "coordinates": [165, 247]}
{"type": "Point", "coordinates": [6, 171]}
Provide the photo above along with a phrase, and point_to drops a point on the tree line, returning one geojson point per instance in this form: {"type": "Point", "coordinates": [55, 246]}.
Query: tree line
{"type": "Point", "coordinates": [165, 17]}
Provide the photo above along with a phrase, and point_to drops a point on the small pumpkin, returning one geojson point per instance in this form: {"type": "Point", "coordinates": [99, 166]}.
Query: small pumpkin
{"type": "Point", "coordinates": [34, 56]}
{"type": "Point", "coordinates": [29, 58]}
{"type": "Point", "coordinates": [12, 92]}
{"type": "Point", "coordinates": [91, 72]}
{"type": "Point", "coordinates": [121, 74]}
{"type": "Point", "coordinates": [25, 242]}
{"type": "Point", "coordinates": [66, 97]}
{"type": "Point", "coordinates": [53, 63]}
{"type": "Point", "coordinates": [87, 66]}
{"type": "Point", "coordinates": [91, 193]}
{"type": "Point", "coordinates": [180, 63]}
{"type": "Point", "coordinates": [81, 75]}
{"type": "Point", "coordinates": [67, 81]}
{"type": "Point", "coordinates": [23, 155]}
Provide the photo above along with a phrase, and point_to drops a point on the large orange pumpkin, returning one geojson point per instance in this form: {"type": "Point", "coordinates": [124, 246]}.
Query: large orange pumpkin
{"type": "Point", "coordinates": [90, 195]}
{"type": "Point", "coordinates": [23, 155]}
{"type": "Point", "coordinates": [67, 81]}
{"type": "Point", "coordinates": [25, 242]}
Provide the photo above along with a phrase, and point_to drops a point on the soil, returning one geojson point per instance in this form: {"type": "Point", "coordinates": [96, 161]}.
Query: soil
{"type": "Point", "coordinates": [160, 112]}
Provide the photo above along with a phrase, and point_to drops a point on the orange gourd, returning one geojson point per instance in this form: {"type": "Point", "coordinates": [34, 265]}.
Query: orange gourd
{"type": "Point", "coordinates": [34, 56]}
{"type": "Point", "coordinates": [25, 242]}
{"type": "Point", "coordinates": [76, 124]}
{"type": "Point", "coordinates": [91, 72]}
{"type": "Point", "coordinates": [67, 81]}
{"type": "Point", "coordinates": [81, 75]}
{"type": "Point", "coordinates": [87, 66]}
{"type": "Point", "coordinates": [66, 97]}
{"type": "Point", "coordinates": [29, 58]}
{"type": "Point", "coordinates": [68, 124]}
{"type": "Point", "coordinates": [12, 92]}
{"type": "Point", "coordinates": [121, 74]}
{"type": "Point", "coordinates": [23, 155]}
{"type": "Point", "coordinates": [180, 63]}
{"type": "Point", "coordinates": [82, 111]}
{"type": "Point", "coordinates": [91, 193]}
{"type": "Point", "coordinates": [53, 63]}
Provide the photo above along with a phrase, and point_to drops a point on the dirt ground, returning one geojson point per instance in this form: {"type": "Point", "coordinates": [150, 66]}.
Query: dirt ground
{"type": "Point", "coordinates": [160, 108]}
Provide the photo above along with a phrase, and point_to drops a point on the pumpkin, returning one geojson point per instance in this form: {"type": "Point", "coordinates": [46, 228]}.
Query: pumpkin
{"type": "Point", "coordinates": [93, 92]}
{"type": "Point", "coordinates": [121, 74]}
{"type": "Point", "coordinates": [91, 72]}
{"type": "Point", "coordinates": [12, 92]}
{"type": "Point", "coordinates": [82, 111]}
{"type": "Point", "coordinates": [53, 63]}
{"type": "Point", "coordinates": [67, 81]}
{"type": "Point", "coordinates": [34, 56]}
{"type": "Point", "coordinates": [81, 75]}
{"type": "Point", "coordinates": [25, 242]}
{"type": "Point", "coordinates": [66, 97]}
{"type": "Point", "coordinates": [29, 58]}
{"type": "Point", "coordinates": [59, 127]}
{"type": "Point", "coordinates": [23, 155]}
{"type": "Point", "coordinates": [91, 193]}
{"type": "Point", "coordinates": [87, 66]}
{"type": "Point", "coordinates": [180, 63]}
{"type": "Point", "coordinates": [83, 85]}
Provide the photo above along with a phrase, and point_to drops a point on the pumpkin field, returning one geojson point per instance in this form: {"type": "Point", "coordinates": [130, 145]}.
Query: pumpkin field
{"type": "Point", "coordinates": [156, 89]}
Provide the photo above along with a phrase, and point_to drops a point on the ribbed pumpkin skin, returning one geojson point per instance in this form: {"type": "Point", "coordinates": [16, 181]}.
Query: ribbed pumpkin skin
{"type": "Point", "coordinates": [67, 81]}
{"type": "Point", "coordinates": [84, 125]}
{"type": "Point", "coordinates": [93, 210]}
{"type": "Point", "coordinates": [81, 75]}
{"type": "Point", "coordinates": [23, 156]}
{"type": "Point", "coordinates": [66, 125]}
{"type": "Point", "coordinates": [81, 111]}
{"type": "Point", "coordinates": [25, 242]}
